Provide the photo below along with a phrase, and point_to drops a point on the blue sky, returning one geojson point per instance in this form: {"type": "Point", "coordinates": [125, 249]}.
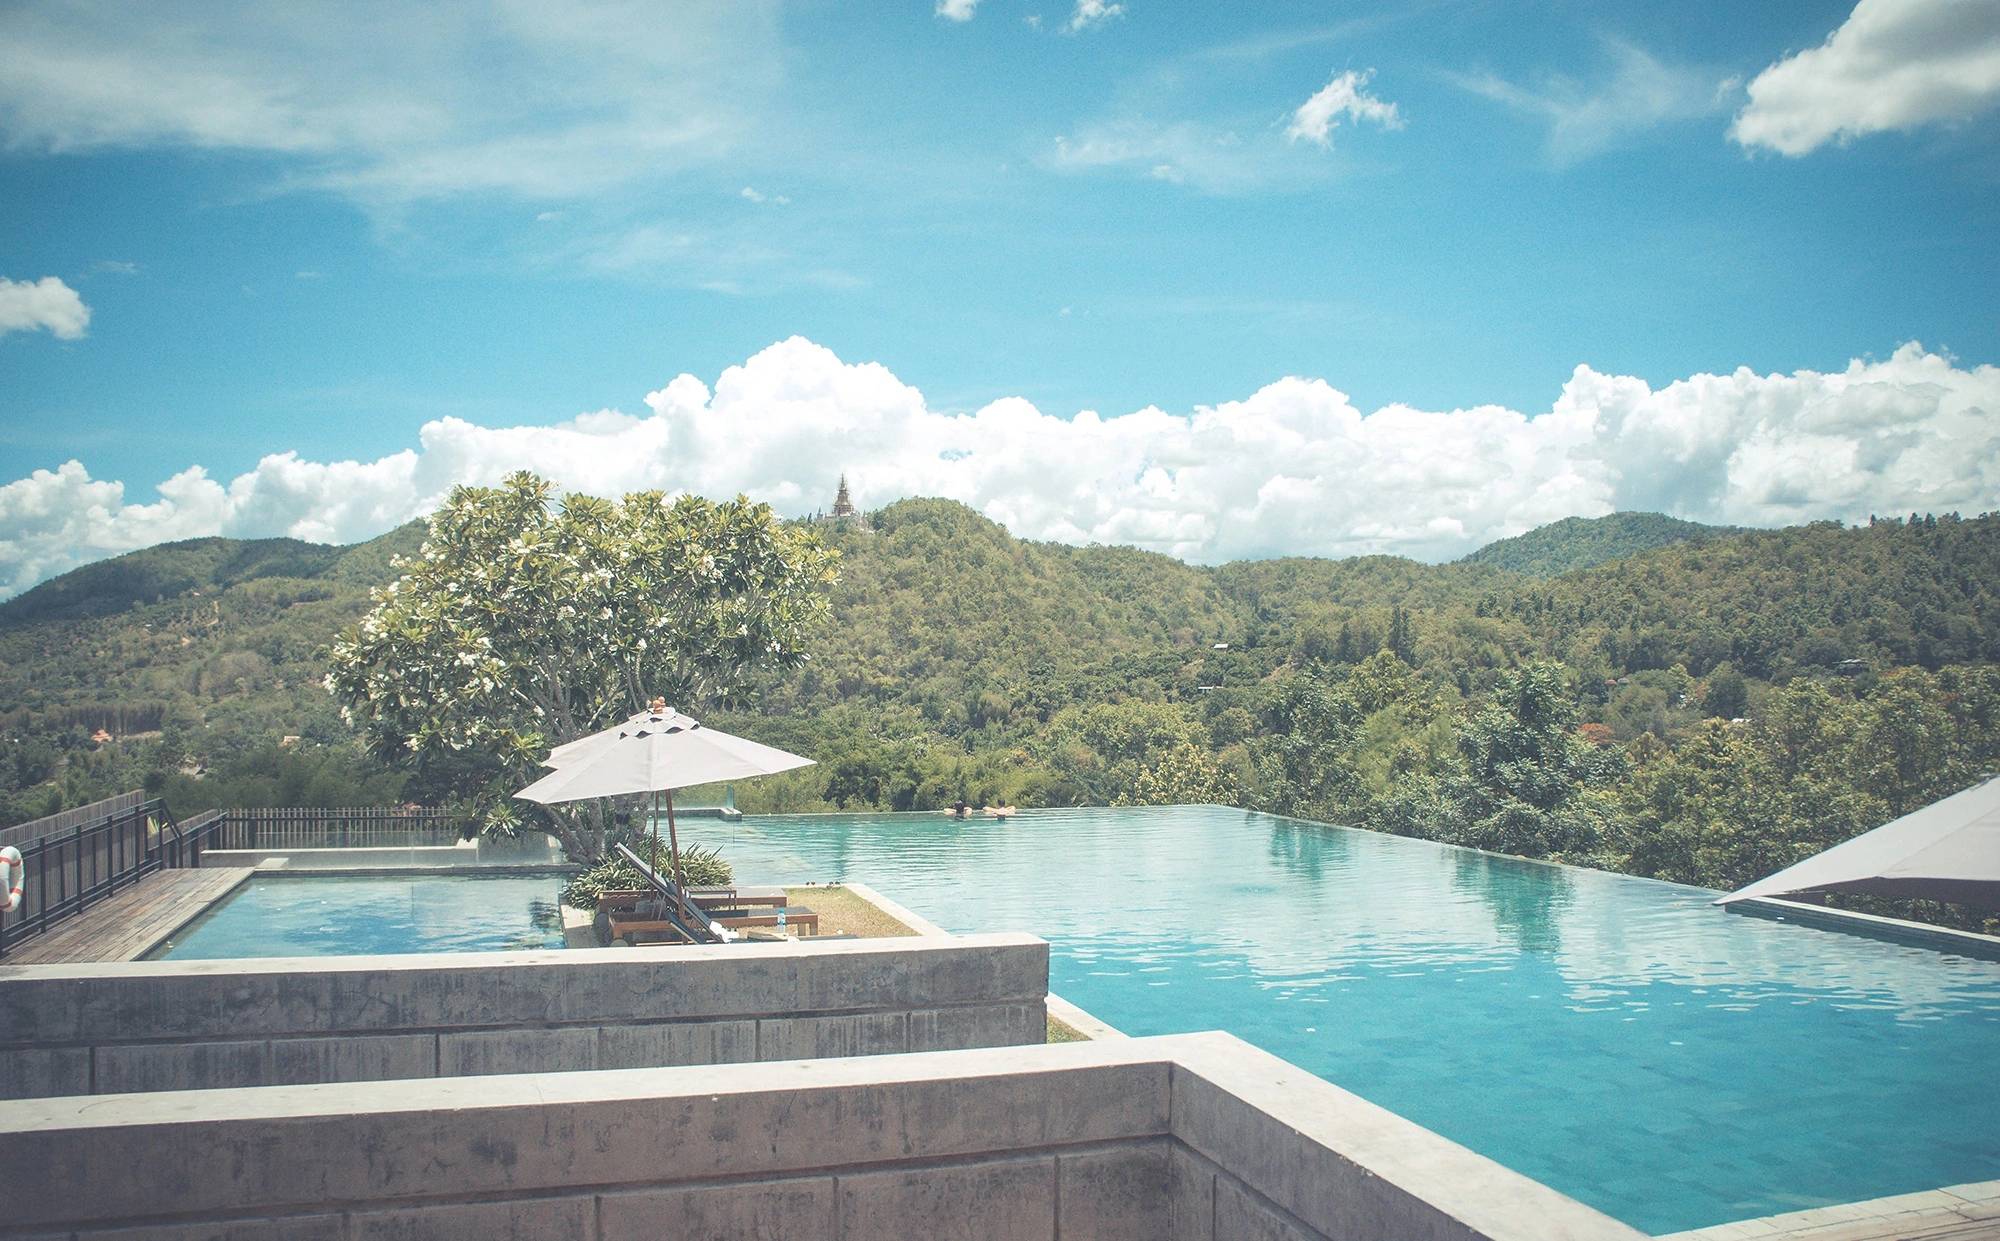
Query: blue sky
{"type": "Point", "coordinates": [317, 230]}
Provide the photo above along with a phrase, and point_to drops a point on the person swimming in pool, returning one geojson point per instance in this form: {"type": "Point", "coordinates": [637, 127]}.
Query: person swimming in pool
{"type": "Point", "coordinates": [961, 809]}
{"type": "Point", "coordinates": [999, 812]}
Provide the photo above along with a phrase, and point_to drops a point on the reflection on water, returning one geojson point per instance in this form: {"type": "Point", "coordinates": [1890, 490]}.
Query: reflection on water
{"type": "Point", "coordinates": [1305, 850]}
{"type": "Point", "coordinates": [1524, 900]}
{"type": "Point", "coordinates": [1666, 1061]}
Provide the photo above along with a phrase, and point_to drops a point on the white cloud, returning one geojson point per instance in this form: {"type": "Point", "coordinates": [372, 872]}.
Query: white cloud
{"type": "Point", "coordinates": [549, 102]}
{"type": "Point", "coordinates": [1892, 65]}
{"type": "Point", "coordinates": [956, 10]}
{"type": "Point", "coordinates": [28, 305]}
{"type": "Point", "coordinates": [1316, 118]}
{"type": "Point", "coordinates": [1294, 467]}
{"type": "Point", "coordinates": [1092, 12]}
{"type": "Point", "coordinates": [1212, 158]}
{"type": "Point", "coordinates": [1637, 93]}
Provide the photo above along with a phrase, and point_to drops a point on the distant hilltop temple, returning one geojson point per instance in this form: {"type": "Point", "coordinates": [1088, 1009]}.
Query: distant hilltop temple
{"type": "Point", "coordinates": [843, 512]}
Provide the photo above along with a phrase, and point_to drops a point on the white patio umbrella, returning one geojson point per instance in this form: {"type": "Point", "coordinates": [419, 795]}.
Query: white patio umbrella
{"type": "Point", "coordinates": [1947, 851]}
{"type": "Point", "coordinates": [656, 751]}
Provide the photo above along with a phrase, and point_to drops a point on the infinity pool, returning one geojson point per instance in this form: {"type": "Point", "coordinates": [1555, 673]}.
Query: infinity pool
{"type": "Point", "coordinates": [1670, 1063]}
{"type": "Point", "coordinates": [349, 915]}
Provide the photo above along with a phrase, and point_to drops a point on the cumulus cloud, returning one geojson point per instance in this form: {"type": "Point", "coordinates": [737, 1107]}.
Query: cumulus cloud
{"type": "Point", "coordinates": [48, 303]}
{"type": "Point", "coordinates": [1089, 13]}
{"type": "Point", "coordinates": [956, 10]}
{"type": "Point", "coordinates": [1636, 92]}
{"type": "Point", "coordinates": [541, 101]}
{"type": "Point", "coordinates": [1315, 120]}
{"type": "Point", "coordinates": [1892, 65]}
{"type": "Point", "coordinates": [1294, 467]}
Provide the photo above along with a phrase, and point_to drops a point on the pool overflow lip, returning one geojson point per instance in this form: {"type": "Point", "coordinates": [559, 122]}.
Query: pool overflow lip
{"type": "Point", "coordinates": [1872, 926]}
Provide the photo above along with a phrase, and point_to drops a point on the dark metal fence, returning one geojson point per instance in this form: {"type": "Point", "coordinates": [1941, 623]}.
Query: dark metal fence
{"type": "Point", "coordinates": [67, 871]}
{"type": "Point", "coordinates": [357, 827]}
{"type": "Point", "coordinates": [82, 856]}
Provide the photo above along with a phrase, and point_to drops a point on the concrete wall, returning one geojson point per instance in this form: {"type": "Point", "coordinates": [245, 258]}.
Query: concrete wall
{"type": "Point", "coordinates": [172, 1025]}
{"type": "Point", "coordinates": [1186, 1138]}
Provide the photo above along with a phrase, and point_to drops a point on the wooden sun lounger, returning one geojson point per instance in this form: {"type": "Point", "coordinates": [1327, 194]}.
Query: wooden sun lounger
{"type": "Point", "coordinates": [636, 925]}
{"type": "Point", "coordinates": [736, 897]}
{"type": "Point", "coordinates": [684, 916]}
{"type": "Point", "coordinates": [742, 919]}
{"type": "Point", "coordinates": [639, 928]}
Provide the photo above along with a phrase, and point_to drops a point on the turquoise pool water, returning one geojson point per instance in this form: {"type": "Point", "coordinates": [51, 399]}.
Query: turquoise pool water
{"type": "Point", "coordinates": [1623, 1040]}
{"type": "Point", "coordinates": [346, 915]}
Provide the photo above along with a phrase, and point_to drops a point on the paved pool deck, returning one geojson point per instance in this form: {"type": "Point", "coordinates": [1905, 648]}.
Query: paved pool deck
{"type": "Point", "coordinates": [1956, 1213]}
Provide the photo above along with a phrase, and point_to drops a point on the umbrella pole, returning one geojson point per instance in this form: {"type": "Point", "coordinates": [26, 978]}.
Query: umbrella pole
{"type": "Point", "coordinates": [674, 842]}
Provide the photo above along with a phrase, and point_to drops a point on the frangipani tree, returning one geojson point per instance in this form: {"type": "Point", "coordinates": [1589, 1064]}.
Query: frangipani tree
{"type": "Point", "coordinates": [523, 623]}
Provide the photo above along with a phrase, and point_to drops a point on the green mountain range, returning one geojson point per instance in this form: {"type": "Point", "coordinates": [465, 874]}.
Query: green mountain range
{"type": "Point", "coordinates": [948, 628]}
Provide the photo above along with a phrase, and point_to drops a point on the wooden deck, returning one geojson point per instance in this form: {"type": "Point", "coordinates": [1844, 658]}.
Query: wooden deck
{"type": "Point", "coordinates": [1957, 1213]}
{"type": "Point", "coordinates": [124, 926]}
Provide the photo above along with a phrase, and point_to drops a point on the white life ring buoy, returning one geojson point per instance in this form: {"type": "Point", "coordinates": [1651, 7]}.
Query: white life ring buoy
{"type": "Point", "coordinates": [12, 872]}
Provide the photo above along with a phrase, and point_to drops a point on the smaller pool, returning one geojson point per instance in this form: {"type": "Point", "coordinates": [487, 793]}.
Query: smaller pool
{"type": "Point", "coordinates": [349, 915]}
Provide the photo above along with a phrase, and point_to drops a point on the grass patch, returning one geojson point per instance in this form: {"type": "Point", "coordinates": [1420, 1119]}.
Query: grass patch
{"type": "Point", "coordinates": [842, 910]}
{"type": "Point", "coordinates": [1061, 1031]}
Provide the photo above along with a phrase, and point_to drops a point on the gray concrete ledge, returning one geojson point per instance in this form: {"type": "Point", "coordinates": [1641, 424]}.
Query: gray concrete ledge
{"type": "Point", "coordinates": [175, 1025]}
{"type": "Point", "coordinates": [1081, 1021]}
{"type": "Point", "coordinates": [1188, 1138]}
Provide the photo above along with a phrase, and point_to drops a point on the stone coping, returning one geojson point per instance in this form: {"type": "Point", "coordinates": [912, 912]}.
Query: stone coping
{"type": "Point", "coordinates": [1081, 1021]}
{"type": "Point", "coordinates": [915, 921]}
{"type": "Point", "coordinates": [1330, 1161]}
{"type": "Point", "coordinates": [1076, 1018]}
{"type": "Point", "coordinates": [423, 962]}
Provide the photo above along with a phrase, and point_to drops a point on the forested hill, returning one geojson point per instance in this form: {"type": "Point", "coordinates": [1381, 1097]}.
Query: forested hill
{"type": "Point", "coordinates": [1584, 542]}
{"type": "Point", "coordinates": [950, 635]}
{"type": "Point", "coordinates": [170, 570]}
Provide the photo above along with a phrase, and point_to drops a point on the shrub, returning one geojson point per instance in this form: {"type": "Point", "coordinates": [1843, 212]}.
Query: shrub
{"type": "Point", "coordinates": [704, 868]}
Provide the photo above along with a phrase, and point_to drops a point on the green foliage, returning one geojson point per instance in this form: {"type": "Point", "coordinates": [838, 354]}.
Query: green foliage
{"type": "Point", "coordinates": [1528, 777]}
{"type": "Point", "coordinates": [521, 625]}
{"type": "Point", "coordinates": [1821, 762]}
{"type": "Point", "coordinates": [1131, 753]}
{"type": "Point", "coordinates": [1726, 694]}
{"type": "Point", "coordinates": [1582, 542]}
{"type": "Point", "coordinates": [703, 868]}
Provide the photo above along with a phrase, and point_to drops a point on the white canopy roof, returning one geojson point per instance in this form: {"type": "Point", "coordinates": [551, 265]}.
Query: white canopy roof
{"type": "Point", "coordinates": [1948, 851]}
{"type": "Point", "coordinates": [653, 752]}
